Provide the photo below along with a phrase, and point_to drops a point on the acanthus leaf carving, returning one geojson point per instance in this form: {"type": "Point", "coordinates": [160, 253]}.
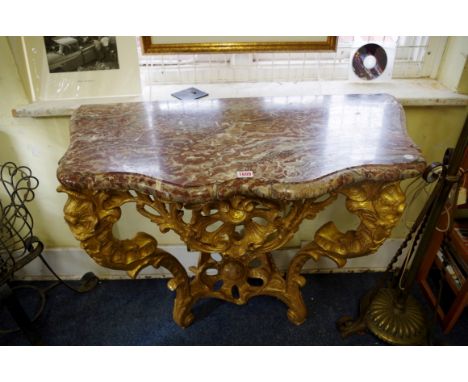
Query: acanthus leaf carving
{"type": "Point", "coordinates": [243, 230]}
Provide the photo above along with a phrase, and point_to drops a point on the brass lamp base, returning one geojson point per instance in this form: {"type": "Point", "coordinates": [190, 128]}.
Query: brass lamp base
{"type": "Point", "coordinates": [387, 319]}
{"type": "Point", "coordinates": [396, 324]}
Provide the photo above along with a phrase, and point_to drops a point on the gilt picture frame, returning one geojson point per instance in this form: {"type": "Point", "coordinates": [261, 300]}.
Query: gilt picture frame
{"type": "Point", "coordinates": [236, 44]}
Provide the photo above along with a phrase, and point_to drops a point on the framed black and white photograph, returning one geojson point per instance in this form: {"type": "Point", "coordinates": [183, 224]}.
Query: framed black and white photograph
{"type": "Point", "coordinates": [73, 67]}
{"type": "Point", "coordinates": [81, 53]}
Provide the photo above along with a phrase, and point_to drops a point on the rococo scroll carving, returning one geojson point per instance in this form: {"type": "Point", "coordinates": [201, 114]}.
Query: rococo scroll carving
{"type": "Point", "coordinates": [379, 206]}
{"type": "Point", "coordinates": [243, 230]}
{"type": "Point", "coordinates": [233, 227]}
{"type": "Point", "coordinates": [91, 216]}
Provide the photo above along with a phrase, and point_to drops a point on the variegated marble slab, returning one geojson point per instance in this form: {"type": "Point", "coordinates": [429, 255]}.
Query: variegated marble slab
{"type": "Point", "coordinates": [288, 147]}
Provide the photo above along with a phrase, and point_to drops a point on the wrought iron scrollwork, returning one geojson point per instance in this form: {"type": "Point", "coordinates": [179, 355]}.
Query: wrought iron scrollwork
{"type": "Point", "coordinates": [19, 246]}
{"type": "Point", "coordinates": [16, 223]}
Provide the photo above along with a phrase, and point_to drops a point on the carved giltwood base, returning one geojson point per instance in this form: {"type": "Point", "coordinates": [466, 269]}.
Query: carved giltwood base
{"type": "Point", "coordinates": [238, 280]}
{"type": "Point", "coordinates": [242, 230]}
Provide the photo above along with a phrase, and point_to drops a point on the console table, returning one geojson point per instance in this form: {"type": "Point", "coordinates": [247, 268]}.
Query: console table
{"type": "Point", "coordinates": [236, 177]}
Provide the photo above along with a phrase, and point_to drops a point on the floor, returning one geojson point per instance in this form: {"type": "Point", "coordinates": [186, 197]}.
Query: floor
{"type": "Point", "coordinates": [139, 312]}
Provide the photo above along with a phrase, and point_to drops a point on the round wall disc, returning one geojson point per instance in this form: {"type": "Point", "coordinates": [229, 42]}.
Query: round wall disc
{"type": "Point", "coordinates": [369, 61]}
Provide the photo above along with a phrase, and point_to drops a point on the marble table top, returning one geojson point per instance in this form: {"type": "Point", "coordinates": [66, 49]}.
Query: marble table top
{"type": "Point", "coordinates": [275, 147]}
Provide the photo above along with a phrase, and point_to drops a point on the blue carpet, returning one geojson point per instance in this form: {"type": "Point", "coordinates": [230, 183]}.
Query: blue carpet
{"type": "Point", "coordinates": [139, 312]}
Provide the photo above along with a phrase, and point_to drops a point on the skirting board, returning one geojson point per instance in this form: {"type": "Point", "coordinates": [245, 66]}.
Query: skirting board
{"type": "Point", "coordinates": [72, 263]}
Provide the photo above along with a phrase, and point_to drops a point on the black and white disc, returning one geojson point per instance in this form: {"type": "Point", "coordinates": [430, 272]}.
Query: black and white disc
{"type": "Point", "coordinates": [369, 61]}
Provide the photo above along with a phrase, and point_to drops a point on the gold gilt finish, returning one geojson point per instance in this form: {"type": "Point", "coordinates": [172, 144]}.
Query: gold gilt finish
{"type": "Point", "coordinates": [378, 206]}
{"type": "Point", "coordinates": [394, 323]}
{"type": "Point", "coordinates": [238, 47]}
{"type": "Point", "coordinates": [242, 230]}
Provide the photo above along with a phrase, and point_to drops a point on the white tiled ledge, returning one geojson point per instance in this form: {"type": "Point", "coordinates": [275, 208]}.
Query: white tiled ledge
{"type": "Point", "coordinates": [408, 92]}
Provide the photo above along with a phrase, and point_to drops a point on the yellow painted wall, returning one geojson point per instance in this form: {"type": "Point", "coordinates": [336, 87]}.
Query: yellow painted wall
{"type": "Point", "coordinates": [39, 144]}
{"type": "Point", "coordinates": [452, 72]}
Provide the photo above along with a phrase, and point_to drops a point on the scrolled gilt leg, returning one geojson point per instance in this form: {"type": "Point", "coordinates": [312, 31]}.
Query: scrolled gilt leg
{"type": "Point", "coordinates": [378, 205]}
{"type": "Point", "coordinates": [91, 216]}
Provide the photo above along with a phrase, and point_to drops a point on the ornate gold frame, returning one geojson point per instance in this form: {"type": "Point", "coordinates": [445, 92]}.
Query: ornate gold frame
{"type": "Point", "coordinates": [238, 47]}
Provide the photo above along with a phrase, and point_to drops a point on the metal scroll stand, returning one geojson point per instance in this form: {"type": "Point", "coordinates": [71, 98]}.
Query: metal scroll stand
{"type": "Point", "coordinates": [18, 247]}
{"type": "Point", "coordinates": [389, 311]}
